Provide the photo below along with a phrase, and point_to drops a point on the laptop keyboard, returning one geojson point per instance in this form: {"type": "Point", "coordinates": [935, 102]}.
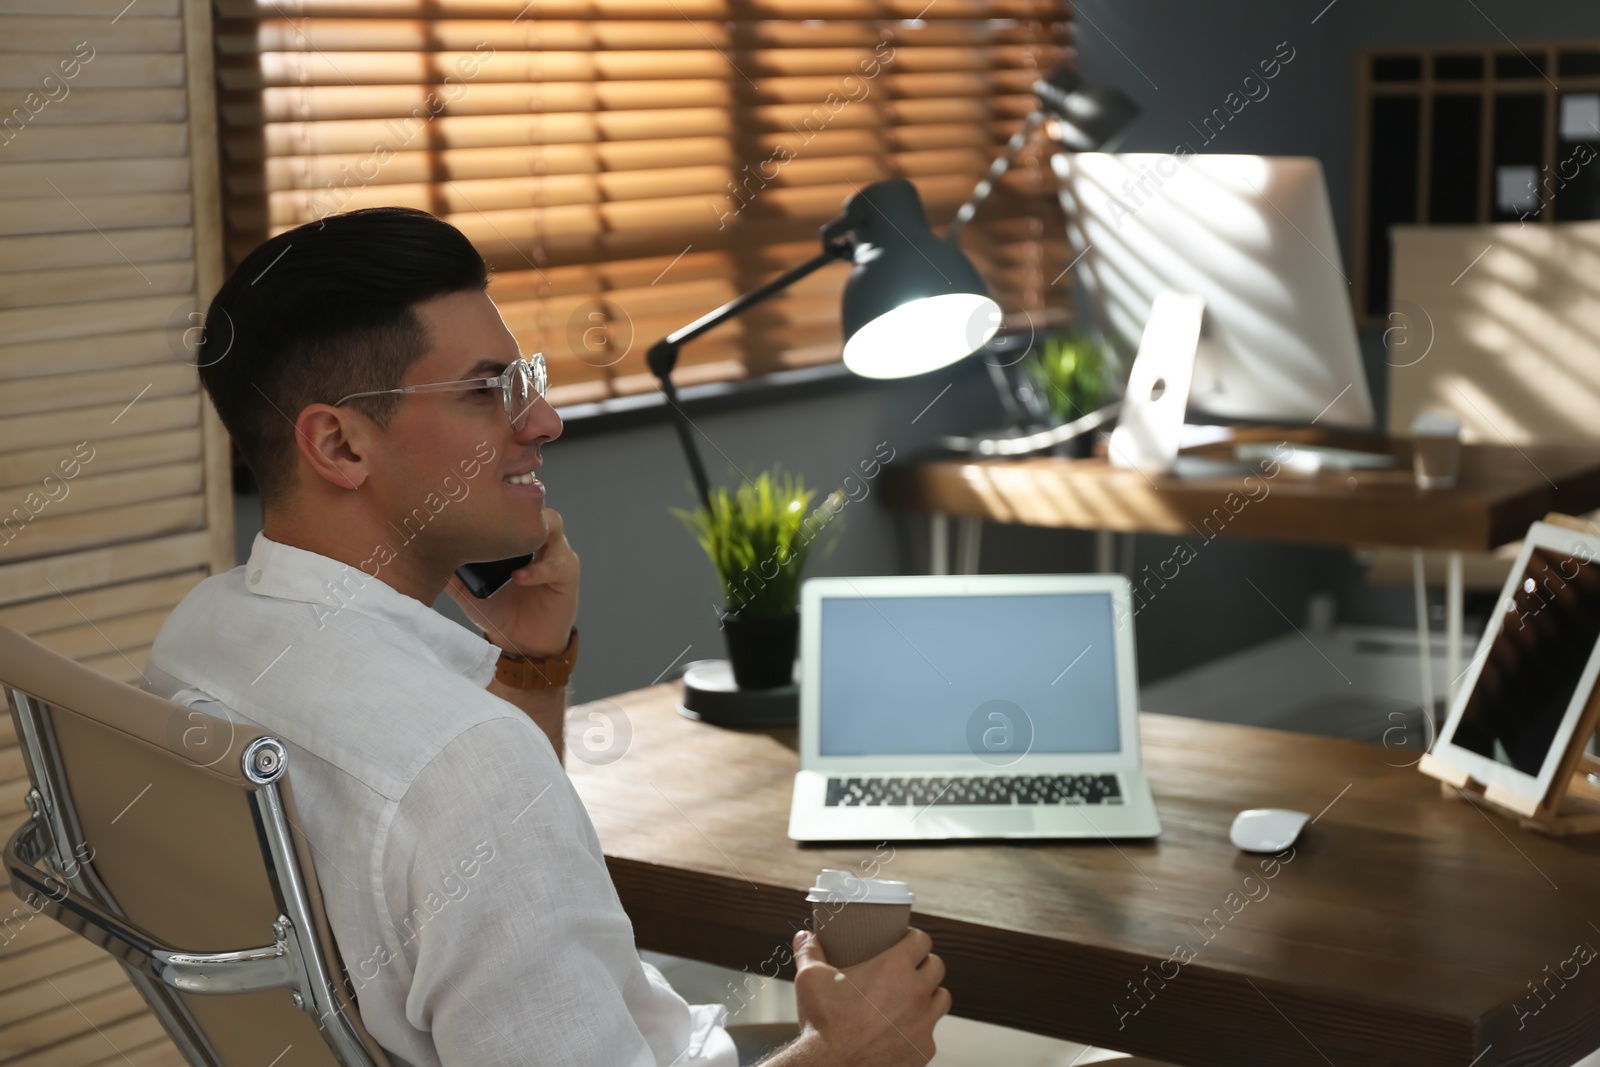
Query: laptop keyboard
{"type": "Point", "coordinates": [1021, 789]}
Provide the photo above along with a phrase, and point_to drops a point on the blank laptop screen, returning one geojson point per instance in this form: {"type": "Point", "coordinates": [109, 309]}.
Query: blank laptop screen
{"type": "Point", "coordinates": [992, 676]}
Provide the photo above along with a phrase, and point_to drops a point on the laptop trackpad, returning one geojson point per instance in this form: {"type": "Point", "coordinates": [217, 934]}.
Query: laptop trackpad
{"type": "Point", "coordinates": [970, 823]}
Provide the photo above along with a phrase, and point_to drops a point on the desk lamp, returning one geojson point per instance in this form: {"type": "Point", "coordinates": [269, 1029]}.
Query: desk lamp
{"type": "Point", "coordinates": [912, 304]}
{"type": "Point", "coordinates": [1087, 118]}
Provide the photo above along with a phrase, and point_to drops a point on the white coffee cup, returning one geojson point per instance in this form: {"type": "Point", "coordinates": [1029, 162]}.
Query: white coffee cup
{"type": "Point", "coordinates": [1436, 449]}
{"type": "Point", "coordinates": [856, 918]}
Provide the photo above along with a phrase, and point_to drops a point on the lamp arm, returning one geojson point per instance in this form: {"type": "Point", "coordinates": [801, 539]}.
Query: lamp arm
{"type": "Point", "coordinates": [663, 355]}
{"type": "Point", "coordinates": [997, 169]}
{"type": "Point", "coordinates": [740, 304]}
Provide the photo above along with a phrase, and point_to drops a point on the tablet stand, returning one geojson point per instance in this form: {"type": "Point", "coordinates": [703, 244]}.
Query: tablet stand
{"type": "Point", "coordinates": [1572, 803]}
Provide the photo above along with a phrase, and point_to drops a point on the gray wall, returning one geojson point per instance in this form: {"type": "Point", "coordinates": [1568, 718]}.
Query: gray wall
{"type": "Point", "coordinates": [1179, 60]}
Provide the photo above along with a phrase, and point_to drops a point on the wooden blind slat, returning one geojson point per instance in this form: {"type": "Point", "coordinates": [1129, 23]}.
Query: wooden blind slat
{"type": "Point", "coordinates": [625, 165]}
{"type": "Point", "coordinates": [22, 70]}
{"type": "Point", "coordinates": [99, 141]}
{"type": "Point", "coordinates": [865, 10]}
{"type": "Point", "coordinates": [66, 391]}
{"type": "Point", "coordinates": [60, 356]}
{"type": "Point", "coordinates": [350, 136]}
{"type": "Point", "coordinates": [64, 35]}
{"type": "Point", "coordinates": [118, 105]}
{"type": "Point", "coordinates": [108, 9]}
{"type": "Point", "coordinates": [39, 947]}
{"type": "Point", "coordinates": [93, 213]}
{"type": "Point", "coordinates": [325, 103]}
{"type": "Point", "coordinates": [80, 284]}
{"type": "Point", "coordinates": [95, 639]}
{"type": "Point", "coordinates": [93, 320]}
{"type": "Point", "coordinates": [88, 1048]}
{"type": "Point", "coordinates": [65, 1019]}
{"type": "Point", "coordinates": [294, 207]}
{"type": "Point", "coordinates": [377, 68]}
{"type": "Point", "coordinates": [339, 174]}
{"type": "Point", "coordinates": [28, 466]}
{"type": "Point", "coordinates": [96, 421]}
{"type": "Point", "coordinates": [92, 176]}
{"type": "Point", "coordinates": [51, 535]}
{"type": "Point", "coordinates": [546, 34]}
{"type": "Point", "coordinates": [98, 604]}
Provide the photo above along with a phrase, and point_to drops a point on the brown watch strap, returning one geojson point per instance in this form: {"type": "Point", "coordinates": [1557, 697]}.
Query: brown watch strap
{"type": "Point", "coordinates": [549, 672]}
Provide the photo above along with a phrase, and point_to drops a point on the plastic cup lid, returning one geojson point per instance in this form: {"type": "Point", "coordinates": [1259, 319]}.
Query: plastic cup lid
{"type": "Point", "coordinates": [835, 886]}
{"type": "Point", "coordinates": [1435, 424]}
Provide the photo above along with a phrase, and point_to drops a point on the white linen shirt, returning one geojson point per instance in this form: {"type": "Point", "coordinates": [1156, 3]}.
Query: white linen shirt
{"type": "Point", "coordinates": [463, 879]}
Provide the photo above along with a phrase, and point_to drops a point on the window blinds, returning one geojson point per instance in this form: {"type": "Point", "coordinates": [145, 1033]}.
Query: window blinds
{"type": "Point", "coordinates": [627, 165]}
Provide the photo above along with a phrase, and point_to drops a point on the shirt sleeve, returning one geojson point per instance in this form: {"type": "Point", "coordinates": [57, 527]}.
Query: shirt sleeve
{"type": "Point", "coordinates": [502, 910]}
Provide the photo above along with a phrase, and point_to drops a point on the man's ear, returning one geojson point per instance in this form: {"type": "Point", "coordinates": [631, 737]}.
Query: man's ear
{"type": "Point", "coordinates": [336, 443]}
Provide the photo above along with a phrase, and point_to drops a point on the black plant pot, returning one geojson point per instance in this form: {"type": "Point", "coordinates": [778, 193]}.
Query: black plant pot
{"type": "Point", "coordinates": [1080, 447]}
{"type": "Point", "coordinates": [762, 650]}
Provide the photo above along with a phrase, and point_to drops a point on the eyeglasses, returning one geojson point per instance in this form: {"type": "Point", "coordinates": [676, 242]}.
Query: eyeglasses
{"type": "Point", "coordinates": [524, 381]}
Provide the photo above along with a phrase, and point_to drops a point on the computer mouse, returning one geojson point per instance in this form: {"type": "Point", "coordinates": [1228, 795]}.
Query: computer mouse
{"type": "Point", "coordinates": [1267, 829]}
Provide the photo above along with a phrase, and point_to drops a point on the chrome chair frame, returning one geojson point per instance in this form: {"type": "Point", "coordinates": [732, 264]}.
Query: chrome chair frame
{"type": "Point", "coordinates": [50, 843]}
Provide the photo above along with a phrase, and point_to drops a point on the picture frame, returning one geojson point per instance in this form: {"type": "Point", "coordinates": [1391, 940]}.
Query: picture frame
{"type": "Point", "coordinates": [1529, 703]}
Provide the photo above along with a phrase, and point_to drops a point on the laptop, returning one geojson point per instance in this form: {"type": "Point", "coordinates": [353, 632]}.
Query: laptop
{"type": "Point", "coordinates": [937, 707]}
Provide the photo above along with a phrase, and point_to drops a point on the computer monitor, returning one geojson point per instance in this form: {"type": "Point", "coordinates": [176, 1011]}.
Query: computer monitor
{"type": "Point", "coordinates": [1254, 237]}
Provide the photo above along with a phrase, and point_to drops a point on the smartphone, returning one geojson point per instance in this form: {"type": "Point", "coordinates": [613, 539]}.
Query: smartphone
{"type": "Point", "coordinates": [483, 579]}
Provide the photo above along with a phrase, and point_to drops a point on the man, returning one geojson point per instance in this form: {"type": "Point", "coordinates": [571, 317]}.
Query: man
{"type": "Point", "coordinates": [396, 434]}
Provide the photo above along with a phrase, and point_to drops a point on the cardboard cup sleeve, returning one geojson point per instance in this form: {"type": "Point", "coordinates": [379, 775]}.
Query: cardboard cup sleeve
{"type": "Point", "coordinates": [853, 932]}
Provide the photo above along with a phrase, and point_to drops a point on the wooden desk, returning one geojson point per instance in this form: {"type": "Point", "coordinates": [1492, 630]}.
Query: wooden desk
{"type": "Point", "coordinates": [1405, 929]}
{"type": "Point", "coordinates": [1501, 490]}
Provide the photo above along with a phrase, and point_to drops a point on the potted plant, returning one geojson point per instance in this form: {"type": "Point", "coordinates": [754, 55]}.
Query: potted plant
{"type": "Point", "coordinates": [758, 538]}
{"type": "Point", "coordinates": [1071, 372]}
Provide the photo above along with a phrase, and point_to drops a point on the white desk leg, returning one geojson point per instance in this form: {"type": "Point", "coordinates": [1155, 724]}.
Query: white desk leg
{"type": "Point", "coordinates": [939, 543]}
{"type": "Point", "coordinates": [969, 538]}
{"type": "Point", "coordinates": [1454, 606]}
{"type": "Point", "coordinates": [1419, 580]}
{"type": "Point", "coordinates": [1105, 551]}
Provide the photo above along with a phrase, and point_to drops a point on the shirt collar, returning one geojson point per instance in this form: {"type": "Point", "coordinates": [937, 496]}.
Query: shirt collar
{"type": "Point", "coordinates": [289, 573]}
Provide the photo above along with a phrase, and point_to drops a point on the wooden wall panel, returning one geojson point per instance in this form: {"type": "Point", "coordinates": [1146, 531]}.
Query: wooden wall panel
{"type": "Point", "coordinates": [114, 475]}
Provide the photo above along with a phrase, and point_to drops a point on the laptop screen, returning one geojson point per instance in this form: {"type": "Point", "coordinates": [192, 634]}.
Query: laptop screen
{"type": "Point", "coordinates": [996, 676]}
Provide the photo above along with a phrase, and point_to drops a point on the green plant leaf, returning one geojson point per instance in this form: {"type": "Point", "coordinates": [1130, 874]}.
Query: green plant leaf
{"type": "Point", "coordinates": [759, 537]}
{"type": "Point", "coordinates": [1072, 371]}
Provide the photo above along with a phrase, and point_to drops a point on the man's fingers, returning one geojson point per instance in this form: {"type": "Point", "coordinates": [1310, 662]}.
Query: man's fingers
{"type": "Point", "coordinates": [552, 523]}
{"type": "Point", "coordinates": [808, 951]}
{"type": "Point", "coordinates": [554, 561]}
{"type": "Point", "coordinates": [556, 570]}
{"type": "Point", "coordinates": [931, 970]}
{"type": "Point", "coordinates": [915, 944]}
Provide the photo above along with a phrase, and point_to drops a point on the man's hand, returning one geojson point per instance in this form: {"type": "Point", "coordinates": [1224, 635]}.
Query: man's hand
{"type": "Point", "coordinates": [880, 1013]}
{"type": "Point", "coordinates": [533, 613]}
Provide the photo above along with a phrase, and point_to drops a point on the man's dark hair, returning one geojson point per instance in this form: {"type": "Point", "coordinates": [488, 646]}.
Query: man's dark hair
{"type": "Point", "coordinates": [320, 312]}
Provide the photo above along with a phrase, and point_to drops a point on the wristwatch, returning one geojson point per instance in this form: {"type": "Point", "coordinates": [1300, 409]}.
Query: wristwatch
{"type": "Point", "coordinates": [548, 672]}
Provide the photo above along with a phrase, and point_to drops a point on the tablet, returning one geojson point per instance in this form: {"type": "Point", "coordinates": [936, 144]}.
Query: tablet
{"type": "Point", "coordinates": [1532, 676]}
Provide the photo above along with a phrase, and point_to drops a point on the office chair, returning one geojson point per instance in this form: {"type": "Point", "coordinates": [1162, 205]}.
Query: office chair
{"type": "Point", "coordinates": [169, 838]}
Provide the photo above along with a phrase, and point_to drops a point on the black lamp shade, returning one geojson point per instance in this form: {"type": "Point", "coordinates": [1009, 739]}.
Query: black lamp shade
{"type": "Point", "coordinates": [913, 303]}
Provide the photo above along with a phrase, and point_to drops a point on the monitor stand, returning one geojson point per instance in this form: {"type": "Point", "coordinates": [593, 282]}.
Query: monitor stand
{"type": "Point", "coordinates": [1150, 425]}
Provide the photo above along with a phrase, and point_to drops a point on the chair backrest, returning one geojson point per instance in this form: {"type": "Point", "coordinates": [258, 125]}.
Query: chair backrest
{"type": "Point", "coordinates": [169, 838]}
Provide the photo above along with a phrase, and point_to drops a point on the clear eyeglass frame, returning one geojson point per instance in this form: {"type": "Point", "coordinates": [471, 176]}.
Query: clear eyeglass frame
{"type": "Point", "coordinates": [524, 380]}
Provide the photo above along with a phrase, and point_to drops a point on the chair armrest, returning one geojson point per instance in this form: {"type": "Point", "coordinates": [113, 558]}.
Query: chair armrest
{"type": "Point", "coordinates": [47, 893]}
